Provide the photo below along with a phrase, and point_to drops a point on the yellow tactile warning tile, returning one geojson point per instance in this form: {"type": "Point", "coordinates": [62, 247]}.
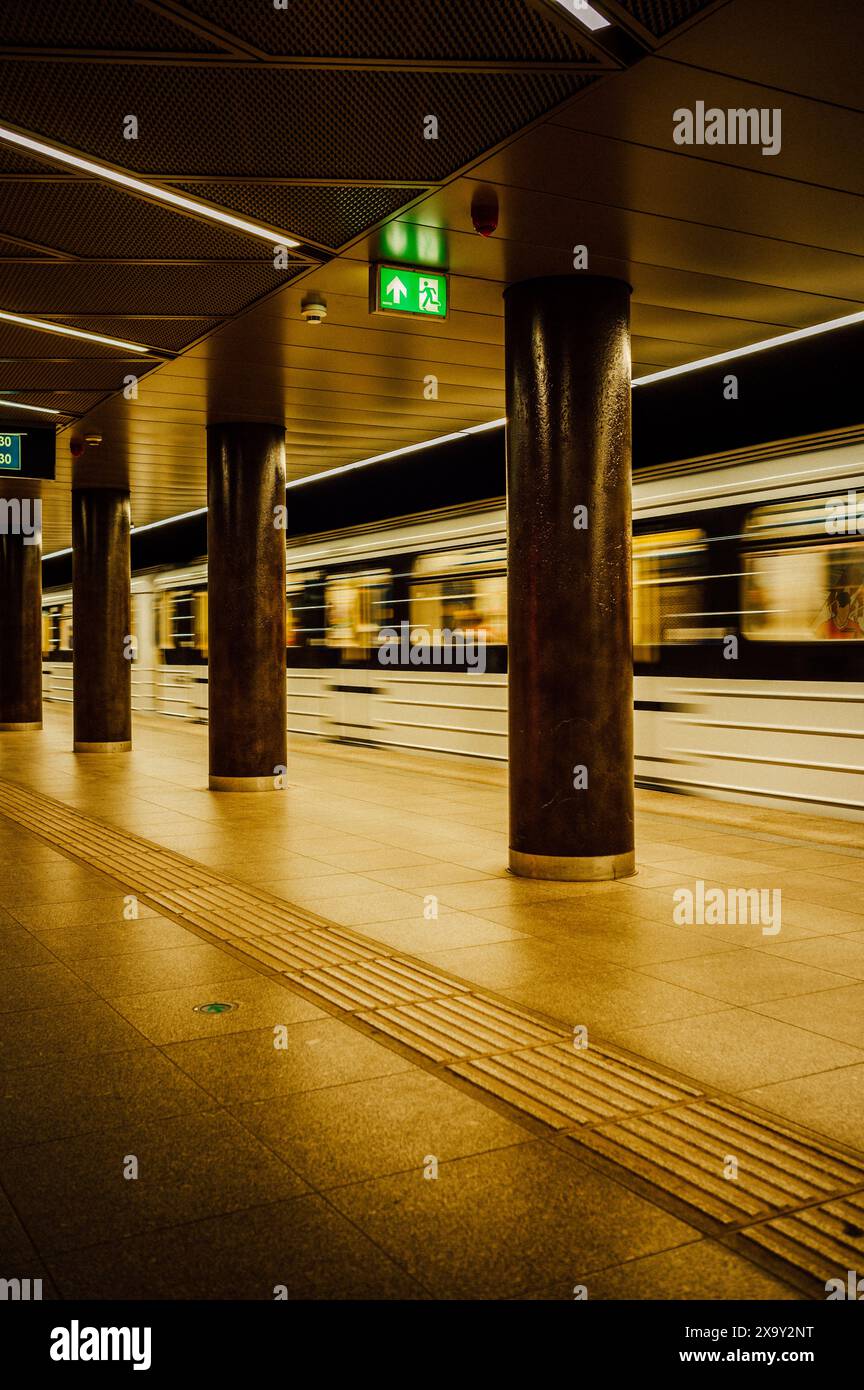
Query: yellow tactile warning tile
{"type": "Point", "coordinates": [370, 984]}
{"type": "Point", "coordinates": [820, 1241]}
{"type": "Point", "coordinates": [319, 947]}
{"type": "Point", "coordinates": [641, 1119]}
{"type": "Point", "coordinates": [211, 900]}
{"type": "Point", "coordinates": [725, 1160]}
{"type": "Point", "coordinates": [564, 1086]}
{"type": "Point", "coordinates": [466, 1025]}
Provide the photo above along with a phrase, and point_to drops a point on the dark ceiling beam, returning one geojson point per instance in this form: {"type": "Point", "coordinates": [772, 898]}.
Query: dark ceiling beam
{"type": "Point", "coordinates": [288, 63]}
{"type": "Point", "coordinates": [158, 260]}
{"type": "Point", "coordinates": [629, 22]}
{"type": "Point", "coordinates": [42, 252]}
{"type": "Point", "coordinates": [45, 395]}
{"type": "Point", "coordinates": [74, 362]}
{"type": "Point", "coordinates": [201, 28]}
{"type": "Point", "coordinates": [124, 55]}
{"type": "Point", "coordinates": [156, 318]}
{"type": "Point", "coordinates": [422, 185]}
{"type": "Point", "coordinates": [58, 317]}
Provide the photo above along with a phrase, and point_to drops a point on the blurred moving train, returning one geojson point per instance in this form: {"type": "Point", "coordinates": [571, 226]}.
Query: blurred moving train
{"type": "Point", "coordinates": [748, 630]}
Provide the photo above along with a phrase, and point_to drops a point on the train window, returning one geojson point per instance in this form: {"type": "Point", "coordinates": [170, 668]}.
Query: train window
{"type": "Point", "coordinates": [357, 606]}
{"type": "Point", "coordinates": [799, 585]}
{"type": "Point", "coordinates": [57, 632]}
{"type": "Point", "coordinates": [182, 624]}
{"type": "Point", "coordinates": [461, 591]}
{"type": "Point", "coordinates": [183, 620]}
{"type": "Point", "coordinates": [302, 611]}
{"type": "Point", "coordinates": [64, 628]}
{"type": "Point", "coordinates": [202, 622]}
{"type": "Point", "coordinates": [669, 577]}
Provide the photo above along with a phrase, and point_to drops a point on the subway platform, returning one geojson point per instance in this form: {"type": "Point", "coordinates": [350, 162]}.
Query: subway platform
{"type": "Point", "coordinates": [247, 1052]}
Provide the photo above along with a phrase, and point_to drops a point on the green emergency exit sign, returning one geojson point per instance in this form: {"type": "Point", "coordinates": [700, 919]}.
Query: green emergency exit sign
{"type": "Point", "coordinates": [10, 453]}
{"type": "Point", "coordinates": [396, 290]}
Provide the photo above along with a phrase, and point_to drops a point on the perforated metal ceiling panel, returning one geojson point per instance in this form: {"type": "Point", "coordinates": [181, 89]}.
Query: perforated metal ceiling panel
{"type": "Point", "coordinates": [71, 287]}
{"type": "Point", "coordinates": [277, 123]}
{"type": "Point", "coordinates": [326, 216]}
{"type": "Point", "coordinates": [432, 30]}
{"type": "Point", "coordinates": [109, 25]}
{"type": "Point", "coordinates": [12, 250]}
{"type": "Point", "coordinates": [25, 345]}
{"type": "Point", "coordinates": [94, 220]}
{"type": "Point", "coordinates": [66, 402]}
{"type": "Point", "coordinates": [171, 335]}
{"type": "Point", "coordinates": [12, 162]}
{"type": "Point", "coordinates": [89, 374]}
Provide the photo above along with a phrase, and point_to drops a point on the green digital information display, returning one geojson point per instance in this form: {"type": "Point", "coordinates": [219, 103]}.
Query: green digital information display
{"type": "Point", "coordinates": [397, 290]}
{"type": "Point", "coordinates": [27, 451]}
{"type": "Point", "coordinates": [11, 452]}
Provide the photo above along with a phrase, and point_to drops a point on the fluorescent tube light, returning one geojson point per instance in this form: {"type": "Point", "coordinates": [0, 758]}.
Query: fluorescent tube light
{"type": "Point", "coordinates": [66, 332]}
{"type": "Point", "coordinates": [150, 190]}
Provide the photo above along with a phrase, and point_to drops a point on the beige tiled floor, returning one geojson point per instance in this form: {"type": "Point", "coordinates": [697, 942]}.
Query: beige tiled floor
{"type": "Point", "coordinates": [385, 844]}
{"type": "Point", "coordinates": [102, 1055]}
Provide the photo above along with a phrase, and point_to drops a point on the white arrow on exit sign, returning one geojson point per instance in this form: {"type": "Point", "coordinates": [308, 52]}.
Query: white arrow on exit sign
{"type": "Point", "coordinates": [396, 290]}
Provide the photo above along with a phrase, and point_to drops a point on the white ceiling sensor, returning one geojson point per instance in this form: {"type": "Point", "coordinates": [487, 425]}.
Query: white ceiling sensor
{"type": "Point", "coordinates": [586, 14]}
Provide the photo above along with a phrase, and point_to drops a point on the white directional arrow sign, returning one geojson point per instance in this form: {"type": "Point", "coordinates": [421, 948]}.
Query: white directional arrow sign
{"type": "Point", "coordinates": [396, 290]}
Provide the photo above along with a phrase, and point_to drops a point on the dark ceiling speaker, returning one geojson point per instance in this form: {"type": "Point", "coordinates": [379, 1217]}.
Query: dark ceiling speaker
{"type": "Point", "coordinates": [484, 211]}
{"type": "Point", "coordinates": [76, 446]}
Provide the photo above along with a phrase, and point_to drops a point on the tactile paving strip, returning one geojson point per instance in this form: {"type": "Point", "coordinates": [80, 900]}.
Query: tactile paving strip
{"type": "Point", "coordinates": [295, 951]}
{"type": "Point", "coordinates": [369, 984]}
{"type": "Point", "coordinates": [274, 931]}
{"type": "Point", "coordinates": [564, 1086]}
{"type": "Point", "coordinates": [466, 1025]}
{"type": "Point", "coordinates": [688, 1150]}
{"type": "Point", "coordinates": [823, 1242]}
{"type": "Point", "coordinates": [795, 1203]}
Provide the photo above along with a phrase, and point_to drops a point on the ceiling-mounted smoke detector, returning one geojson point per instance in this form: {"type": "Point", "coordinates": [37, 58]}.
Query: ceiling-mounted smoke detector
{"type": "Point", "coordinates": [314, 310]}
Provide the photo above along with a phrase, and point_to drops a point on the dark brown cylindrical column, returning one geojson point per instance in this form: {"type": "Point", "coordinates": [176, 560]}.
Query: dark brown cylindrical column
{"type": "Point", "coordinates": [21, 614]}
{"type": "Point", "coordinates": [246, 600]}
{"type": "Point", "coordinates": [101, 620]}
{"type": "Point", "coordinates": [569, 525]}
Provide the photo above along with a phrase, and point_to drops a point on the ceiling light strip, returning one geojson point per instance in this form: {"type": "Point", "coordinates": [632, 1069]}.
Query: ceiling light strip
{"type": "Point", "coordinates": [66, 332]}
{"type": "Point", "coordinates": [794, 336]}
{"type": "Point", "coordinates": [150, 190]}
{"type": "Point", "coordinates": [39, 409]}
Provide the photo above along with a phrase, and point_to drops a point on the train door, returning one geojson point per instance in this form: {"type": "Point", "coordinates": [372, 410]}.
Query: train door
{"type": "Point", "coordinates": [358, 605]}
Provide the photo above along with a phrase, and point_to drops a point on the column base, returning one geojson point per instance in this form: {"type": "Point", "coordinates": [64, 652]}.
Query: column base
{"type": "Point", "coordinates": [243, 784]}
{"type": "Point", "coordinates": [25, 728]}
{"type": "Point", "coordinates": [589, 868]}
{"type": "Point", "coordinates": [119, 746]}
